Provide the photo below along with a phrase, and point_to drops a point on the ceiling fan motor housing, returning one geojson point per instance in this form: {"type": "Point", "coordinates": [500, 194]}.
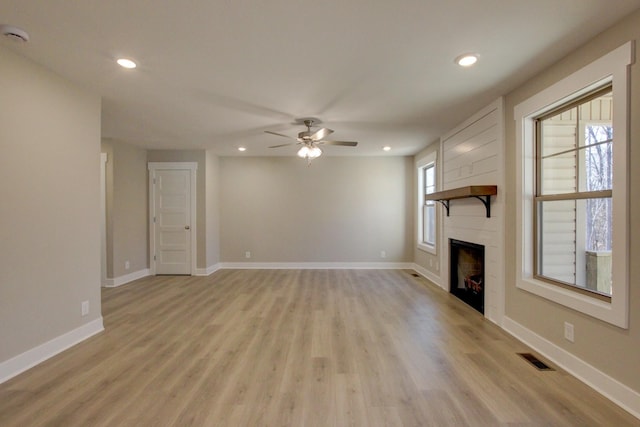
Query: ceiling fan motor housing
{"type": "Point", "coordinates": [306, 135]}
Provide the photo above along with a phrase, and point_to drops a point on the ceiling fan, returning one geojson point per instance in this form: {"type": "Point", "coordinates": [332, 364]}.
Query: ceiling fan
{"type": "Point", "coordinates": [310, 141]}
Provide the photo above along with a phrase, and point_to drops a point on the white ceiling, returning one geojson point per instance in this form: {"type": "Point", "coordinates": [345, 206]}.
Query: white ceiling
{"type": "Point", "coordinates": [216, 74]}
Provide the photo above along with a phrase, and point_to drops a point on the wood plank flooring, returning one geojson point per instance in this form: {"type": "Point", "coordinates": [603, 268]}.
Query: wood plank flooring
{"type": "Point", "coordinates": [297, 348]}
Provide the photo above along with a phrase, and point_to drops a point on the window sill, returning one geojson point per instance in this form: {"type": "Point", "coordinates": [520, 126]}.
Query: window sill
{"type": "Point", "coordinates": [427, 248]}
{"type": "Point", "coordinates": [586, 304]}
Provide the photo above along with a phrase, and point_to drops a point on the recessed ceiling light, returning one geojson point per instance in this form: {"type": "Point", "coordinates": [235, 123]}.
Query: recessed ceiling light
{"type": "Point", "coordinates": [386, 148]}
{"type": "Point", "coordinates": [126, 63]}
{"type": "Point", "coordinates": [242, 149]}
{"type": "Point", "coordinates": [467, 59]}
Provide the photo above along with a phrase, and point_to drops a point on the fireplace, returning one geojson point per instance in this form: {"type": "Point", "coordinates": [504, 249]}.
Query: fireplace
{"type": "Point", "coordinates": [467, 272]}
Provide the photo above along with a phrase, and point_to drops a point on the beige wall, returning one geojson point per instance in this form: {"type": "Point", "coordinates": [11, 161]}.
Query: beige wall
{"type": "Point", "coordinates": [50, 209]}
{"type": "Point", "coordinates": [127, 208]}
{"type": "Point", "coordinates": [612, 350]}
{"type": "Point", "coordinates": [424, 259]}
{"type": "Point", "coordinates": [339, 209]}
{"type": "Point", "coordinates": [199, 157]}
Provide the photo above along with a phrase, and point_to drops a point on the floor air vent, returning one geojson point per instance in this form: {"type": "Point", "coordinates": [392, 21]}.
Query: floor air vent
{"type": "Point", "coordinates": [539, 364]}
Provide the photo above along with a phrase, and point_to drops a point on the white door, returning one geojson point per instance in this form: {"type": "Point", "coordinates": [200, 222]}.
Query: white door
{"type": "Point", "coordinates": [172, 221]}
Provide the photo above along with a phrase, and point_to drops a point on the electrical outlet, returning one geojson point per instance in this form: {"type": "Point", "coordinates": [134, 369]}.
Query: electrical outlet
{"type": "Point", "coordinates": [437, 266]}
{"type": "Point", "coordinates": [430, 262]}
{"type": "Point", "coordinates": [127, 265]}
{"type": "Point", "coordinates": [383, 254]}
{"type": "Point", "coordinates": [568, 331]}
{"type": "Point", "coordinates": [85, 308]}
{"type": "Point", "coordinates": [247, 254]}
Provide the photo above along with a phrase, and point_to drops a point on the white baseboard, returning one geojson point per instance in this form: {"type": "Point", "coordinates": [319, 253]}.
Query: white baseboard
{"type": "Point", "coordinates": [208, 271]}
{"type": "Point", "coordinates": [618, 393]}
{"type": "Point", "coordinates": [437, 280]}
{"type": "Point", "coordinates": [30, 358]}
{"type": "Point", "coordinates": [316, 265]}
{"type": "Point", "coordinates": [122, 280]}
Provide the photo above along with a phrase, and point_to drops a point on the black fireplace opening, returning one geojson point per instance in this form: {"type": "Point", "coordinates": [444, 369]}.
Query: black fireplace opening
{"type": "Point", "coordinates": [467, 272]}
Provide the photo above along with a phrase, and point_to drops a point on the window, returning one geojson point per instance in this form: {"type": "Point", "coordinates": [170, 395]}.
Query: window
{"type": "Point", "coordinates": [572, 203]}
{"type": "Point", "coordinates": [427, 208]}
{"type": "Point", "coordinates": [572, 190]}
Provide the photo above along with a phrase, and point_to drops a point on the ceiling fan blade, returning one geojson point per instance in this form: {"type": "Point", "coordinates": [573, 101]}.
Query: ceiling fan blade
{"type": "Point", "coordinates": [279, 134]}
{"type": "Point", "coordinates": [320, 134]}
{"type": "Point", "coordinates": [284, 145]}
{"type": "Point", "coordinates": [343, 143]}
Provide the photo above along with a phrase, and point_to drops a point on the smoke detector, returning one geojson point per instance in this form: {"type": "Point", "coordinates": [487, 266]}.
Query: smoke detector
{"type": "Point", "coordinates": [14, 33]}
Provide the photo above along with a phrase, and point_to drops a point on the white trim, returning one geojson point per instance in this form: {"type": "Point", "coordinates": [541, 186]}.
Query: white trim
{"type": "Point", "coordinates": [421, 164]}
{"type": "Point", "coordinates": [500, 205]}
{"type": "Point", "coordinates": [30, 358]}
{"type": "Point", "coordinates": [436, 280]}
{"type": "Point", "coordinates": [316, 265]}
{"type": "Point", "coordinates": [430, 249]}
{"type": "Point", "coordinates": [612, 67]}
{"type": "Point", "coordinates": [193, 168]}
{"type": "Point", "coordinates": [123, 280]}
{"type": "Point", "coordinates": [208, 271]}
{"type": "Point", "coordinates": [623, 396]}
{"type": "Point", "coordinates": [173, 165]}
{"type": "Point", "coordinates": [103, 219]}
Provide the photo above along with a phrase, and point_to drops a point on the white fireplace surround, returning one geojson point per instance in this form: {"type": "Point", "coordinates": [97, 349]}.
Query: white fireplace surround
{"type": "Point", "coordinates": [472, 154]}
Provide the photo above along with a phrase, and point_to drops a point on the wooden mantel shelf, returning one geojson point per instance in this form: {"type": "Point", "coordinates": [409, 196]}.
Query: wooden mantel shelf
{"type": "Point", "coordinates": [480, 192]}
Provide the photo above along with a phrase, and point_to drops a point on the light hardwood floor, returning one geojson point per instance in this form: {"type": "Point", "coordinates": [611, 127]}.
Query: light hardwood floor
{"type": "Point", "coordinates": [297, 348]}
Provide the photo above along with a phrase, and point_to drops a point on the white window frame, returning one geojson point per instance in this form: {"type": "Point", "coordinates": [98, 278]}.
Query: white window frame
{"type": "Point", "coordinates": [613, 67]}
{"type": "Point", "coordinates": [422, 164]}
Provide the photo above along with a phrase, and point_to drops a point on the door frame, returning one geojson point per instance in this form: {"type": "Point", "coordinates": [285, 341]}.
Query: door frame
{"type": "Point", "coordinates": [192, 167]}
{"type": "Point", "coordinates": [103, 219]}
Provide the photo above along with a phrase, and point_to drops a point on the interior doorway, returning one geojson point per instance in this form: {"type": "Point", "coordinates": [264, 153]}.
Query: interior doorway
{"type": "Point", "coordinates": [172, 213]}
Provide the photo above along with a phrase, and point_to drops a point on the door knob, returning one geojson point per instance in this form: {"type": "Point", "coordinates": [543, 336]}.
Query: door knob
{"type": "Point", "coordinates": [186, 227]}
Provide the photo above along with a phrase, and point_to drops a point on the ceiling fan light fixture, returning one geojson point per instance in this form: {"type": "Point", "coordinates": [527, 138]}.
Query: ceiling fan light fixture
{"type": "Point", "coordinates": [309, 141]}
{"type": "Point", "coordinates": [314, 152]}
{"type": "Point", "coordinates": [303, 152]}
{"type": "Point", "coordinates": [309, 152]}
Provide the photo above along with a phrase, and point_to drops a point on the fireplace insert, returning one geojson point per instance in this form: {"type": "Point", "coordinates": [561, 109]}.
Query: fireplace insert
{"type": "Point", "coordinates": [467, 272]}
